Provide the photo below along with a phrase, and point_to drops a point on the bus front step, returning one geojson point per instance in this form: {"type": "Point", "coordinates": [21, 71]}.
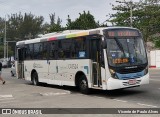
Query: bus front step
{"type": "Point", "coordinates": [96, 87]}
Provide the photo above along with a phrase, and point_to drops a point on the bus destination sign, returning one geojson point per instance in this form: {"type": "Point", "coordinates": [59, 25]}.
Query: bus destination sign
{"type": "Point", "coordinates": [122, 33]}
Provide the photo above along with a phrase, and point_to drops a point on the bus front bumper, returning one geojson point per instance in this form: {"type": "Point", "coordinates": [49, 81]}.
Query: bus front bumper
{"type": "Point", "coordinates": [118, 84]}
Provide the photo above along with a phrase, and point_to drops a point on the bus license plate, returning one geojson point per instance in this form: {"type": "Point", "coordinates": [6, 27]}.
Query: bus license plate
{"type": "Point", "coordinates": [132, 81]}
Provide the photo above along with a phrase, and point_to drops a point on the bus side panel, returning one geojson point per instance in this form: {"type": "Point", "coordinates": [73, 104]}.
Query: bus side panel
{"type": "Point", "coordinates": [67, 69]}
{"type": "Point", "coordinates": [52, 71]}
{"type": "Point", "coordinates": [40, 66]}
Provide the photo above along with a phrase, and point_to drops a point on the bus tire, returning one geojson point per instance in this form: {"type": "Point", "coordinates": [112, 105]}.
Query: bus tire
{"type": "Point", "coordinates": [83, 85]}
{"type": "Point", "coordinates": [35, 79]}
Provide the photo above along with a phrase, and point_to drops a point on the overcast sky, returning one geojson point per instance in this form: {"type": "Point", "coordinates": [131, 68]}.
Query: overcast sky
{"type": "Point", "coordinates": [99, 8]}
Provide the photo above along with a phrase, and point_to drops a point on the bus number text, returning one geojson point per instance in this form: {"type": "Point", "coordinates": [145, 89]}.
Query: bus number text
{"type": "Point", "coordinates": [73, 66]}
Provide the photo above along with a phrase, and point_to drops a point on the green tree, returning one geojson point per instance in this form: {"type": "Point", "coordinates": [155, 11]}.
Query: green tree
{"type": "Point", "coordinates": [31, 26]}
{"type": "Point", "coordinates": [146, 16]}
{"type": "Point", "coordinates": [2, 26]}
{"type": "Point", "coordinates": [55, 26]}
{"type": "Point", "coordinates": [45, 28]}
{"type": "Point", "coordinates": [1, 51]}
{"type": "Point", "coordinates": [156, 41]}
{"type": "Point", "coordinates": [2, 29]}
{"type": "Point", "coordinates": [69, 23]}
{"type": "Point", "coordinates": [20, 27]}
{"type": "Point", "coordinates": [13, 26]}
{"type": "Point", "coordinates": [84, 21]}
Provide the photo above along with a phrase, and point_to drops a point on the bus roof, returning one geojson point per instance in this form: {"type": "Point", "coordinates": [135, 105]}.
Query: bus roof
{"type": "Point", "coordinates": [67, 34]}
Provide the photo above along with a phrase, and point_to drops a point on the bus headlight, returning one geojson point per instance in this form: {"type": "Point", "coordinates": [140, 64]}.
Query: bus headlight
{"type": "Point", "coordinates": [113, 73]}
{"type": "Point", "coordinates": [146, 70]}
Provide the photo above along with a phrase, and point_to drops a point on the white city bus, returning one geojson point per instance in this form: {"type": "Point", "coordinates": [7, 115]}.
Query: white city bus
{"type": "Point", "coordinates": [103, 58]}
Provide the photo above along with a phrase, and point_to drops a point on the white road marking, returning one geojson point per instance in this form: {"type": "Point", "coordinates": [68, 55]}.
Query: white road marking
{"type": "Point", "coordinates": [146, 105]}
{"type": "Point", "coordinates": [100, 97]}
{"type": "Point", "coordinates": [6, 96]}
{"type": "Point", "coordinates": [154, 79]}
{"type": "Point", "coordinates": [5, 72]}
{"type": "Point", "coordinates": [6, 99]}
{"type": "Point", "coordinates": [119, 100]}
{"type": "Point", "coordinates": [54, 94]}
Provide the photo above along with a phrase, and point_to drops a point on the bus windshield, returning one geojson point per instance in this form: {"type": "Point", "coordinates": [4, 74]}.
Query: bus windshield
{"type": "Point", "coordinates": [126, 51]}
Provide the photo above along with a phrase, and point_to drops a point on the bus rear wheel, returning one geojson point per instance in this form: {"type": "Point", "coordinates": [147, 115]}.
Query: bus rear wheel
{"type": "Point", "coordinates": [35, 79]}
{"type": "Point", "coordinates": [83, 85]}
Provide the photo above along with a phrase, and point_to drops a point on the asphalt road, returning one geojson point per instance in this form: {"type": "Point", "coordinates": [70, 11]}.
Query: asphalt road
{"type": "Point", "coordinates": [18, 93]}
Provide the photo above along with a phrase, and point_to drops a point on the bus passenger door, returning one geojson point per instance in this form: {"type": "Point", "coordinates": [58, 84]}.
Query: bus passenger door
{"type": "Point", "coordinates": [95, 57]}
{"type": "Point", "coordinates": [20, 63]}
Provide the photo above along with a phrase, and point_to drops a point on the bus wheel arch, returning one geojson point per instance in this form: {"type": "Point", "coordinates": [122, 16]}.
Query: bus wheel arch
{"type": "Point", "coordinates": [34, 78]}
{"type": "Point", "coordinates": [81, 82]}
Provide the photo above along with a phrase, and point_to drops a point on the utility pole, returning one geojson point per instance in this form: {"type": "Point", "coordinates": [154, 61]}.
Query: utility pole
{"type": "Point", "coordinates": [130, 4]}
{"type": "Point", "coordinates": [131, 12]}
{"type": "Point", "coordinates": [7, 49]}
{"type": "Point", "coordinates": [5, 39]}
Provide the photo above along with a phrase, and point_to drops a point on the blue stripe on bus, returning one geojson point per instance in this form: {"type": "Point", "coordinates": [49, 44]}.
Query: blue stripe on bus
{"type": "Point", "coordinates": [61, 37]}
{"type": "Point", "coordinates": [130, 75]}
{"type": "Point", "coordinates": [86, 68]}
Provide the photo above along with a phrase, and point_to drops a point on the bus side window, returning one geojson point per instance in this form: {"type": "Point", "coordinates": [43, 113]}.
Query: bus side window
{"type": "Point", "coordinates": [36, 51]}
{"type": "Point", "coordinates": [60, 50]}
{"type": "Point", "coordinates": [73, 49]}
{"type": "Point", "coordinates": [45, 50]}
{"type": "Point", "coordinates": [65, 48]}
{"type": "Point", "coordinates": [53, 50]}
{"type": "Point", "coordinates": [31, 51]}
{"type": "Point", "coordinates": [61, 53]}
{"type": "Point", "coordinates": [81, 47]}
{"type": "Point", "coordinates": [27, 56]}
{"type": "Point", "coordinates": [40, 49]}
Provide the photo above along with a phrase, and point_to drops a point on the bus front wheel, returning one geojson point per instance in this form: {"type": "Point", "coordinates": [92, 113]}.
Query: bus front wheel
{"type": "Point", "coordinates": [83, 85]}
{"type": "Point", "coordinates": [35, 79]}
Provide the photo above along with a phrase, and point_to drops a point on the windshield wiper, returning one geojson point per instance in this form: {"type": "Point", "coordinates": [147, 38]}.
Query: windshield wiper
{"type": "Point", "coordinates": [119, 45]}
